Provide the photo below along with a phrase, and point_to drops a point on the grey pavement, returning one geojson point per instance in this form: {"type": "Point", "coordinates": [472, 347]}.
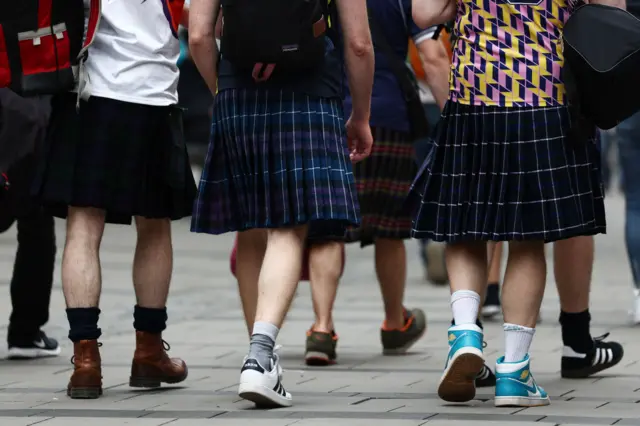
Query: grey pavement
{"type": "Point", "coordinates": [364, 388]}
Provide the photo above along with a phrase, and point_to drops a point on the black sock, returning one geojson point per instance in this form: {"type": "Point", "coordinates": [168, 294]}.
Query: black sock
{"type": "Point", "coordinates": [150, 320]}
{"type": "Point", "coordinates": [83, 324]}
{"type": "Point", "coordinates": [576, 331]}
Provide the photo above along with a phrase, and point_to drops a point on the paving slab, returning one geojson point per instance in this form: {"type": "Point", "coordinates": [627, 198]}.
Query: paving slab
{"type": "Point", "coordinates": [364, 388]}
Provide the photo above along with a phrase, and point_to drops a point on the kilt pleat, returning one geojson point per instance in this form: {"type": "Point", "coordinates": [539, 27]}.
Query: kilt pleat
{"type": "Point", "coordinates": [276, 159]}
{"type": "Point", "coordinates": [383, 181]}
{"type": "Point", "coordinates": [501, 174]}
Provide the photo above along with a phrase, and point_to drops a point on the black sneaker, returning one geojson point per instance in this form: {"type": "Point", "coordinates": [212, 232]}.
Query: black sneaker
{"type": "Point", "coordinates": [491, 306]}
{"type": "Point", "coordinates": [486, 378]}
{"type": "Point", "coordinates": [604, 355]}
{"type": "Point", "coordinates": [398, 342]}
{"type": "Point", "coordinates": [42, 346]}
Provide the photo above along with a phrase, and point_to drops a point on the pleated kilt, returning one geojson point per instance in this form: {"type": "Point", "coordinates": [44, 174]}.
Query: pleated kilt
{"type": "Point", "coordinates": [383, 181]}
{"type": "Point", "coordinates": [276, 159]}
{"type": "Point", "coordinates": [501, 174]}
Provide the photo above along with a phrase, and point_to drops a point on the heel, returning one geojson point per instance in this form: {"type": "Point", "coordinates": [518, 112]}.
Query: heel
{"type": "Point", "coordinates": [458, 382]}
{"type": "Point", "coordinates": [144, 382]}
{"type": "Point", "coordinates": [84, 393]}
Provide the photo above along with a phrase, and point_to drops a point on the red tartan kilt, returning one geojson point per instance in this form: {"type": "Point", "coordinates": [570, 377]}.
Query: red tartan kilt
{"type": "Point", "coordinates": [304, 276]}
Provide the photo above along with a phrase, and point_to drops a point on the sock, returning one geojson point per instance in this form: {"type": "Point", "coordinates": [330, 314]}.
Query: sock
{"type": "Point", "coordinates": [83, 324]}
{"type": "Point", "coordinates": [465, 305]}
{"type": "Point", "coordinates": [576, 331]}
{"type": "Point", "coordinates": [150, 320]}
{"type": "Point", "coordinates": [262, 343]}
{"type": "Point", "coordinates": [517, 341]}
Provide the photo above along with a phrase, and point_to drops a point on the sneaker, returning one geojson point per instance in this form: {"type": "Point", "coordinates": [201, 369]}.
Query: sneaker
{"type": "Point", "coordinates": [515, 386]}
{"type": "Point", "coordinates": [398, 342]}
{"type": "Point", "coordinates": [491, 306]}
{"type": "Point", "coordinates": [463, 365]}
{"type": "Point", "coordinates": [434, 262]}
{"type": "Point", "coordinates": [486, 378]}
{"type": "Point", "coordinates": [42, 346]}
{"type": "Point", "coordinates": [603, 355]}
{"type": "Point", "coordinates": [320, 348]}
{"type": "Point", "coordinates": [263, 387]}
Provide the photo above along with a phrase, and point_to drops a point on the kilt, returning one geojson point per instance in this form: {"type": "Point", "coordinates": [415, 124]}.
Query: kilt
{"type": "Point", "coordinates": [508, 174]}
{"type": "Point", "coordinates": [383, 181]}
{"type": "Point", "coordinates": [276, 159]}
{"type": "Point", "coordinates": [126, 159]}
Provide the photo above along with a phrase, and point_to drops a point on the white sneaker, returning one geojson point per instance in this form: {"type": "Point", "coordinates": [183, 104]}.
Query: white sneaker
{"type": "Point", "coordinates": [263, 387]}
{"type": "Point", "coordinates": [635, 313]}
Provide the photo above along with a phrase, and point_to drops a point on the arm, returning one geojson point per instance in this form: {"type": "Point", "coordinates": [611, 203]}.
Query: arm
{"type": "Point", "coordinates": [359, 56]}
{"type": "Point", "coordinates": [427, 13]}
{"type": "Point", "coordinates": [437, 67]}
{"type": "Point", "coordinates": [202, 43]}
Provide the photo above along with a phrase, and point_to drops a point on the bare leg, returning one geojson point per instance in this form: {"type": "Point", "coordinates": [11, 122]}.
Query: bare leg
{"type": "Point", "coordinates": [391, 270]}
{"type": "Point", "coordinates": [491, 297]}
{"type": "Point", "coordinates": [572, 267]}
{"type": "Point", "coordinates": [495, 262]}
{"type": "Point", "coordinates": [325, 266]}
{"type": "Point", "coordinates": [153, 262]}
{"type": "Point", "coordinates": [467, 266]}
{"type": "Point", "coordinates": [251, 249]}
{"type": "Point", "coordinates": [280, 273]}
{"type": "Point", "coordinates": [524, 283]}
{"type": "Point", "coordinates": [81, 274]}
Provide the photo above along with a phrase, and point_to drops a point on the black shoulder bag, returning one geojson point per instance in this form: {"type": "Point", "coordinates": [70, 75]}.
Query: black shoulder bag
{"type": "Point", "coordinates": [419, 125]}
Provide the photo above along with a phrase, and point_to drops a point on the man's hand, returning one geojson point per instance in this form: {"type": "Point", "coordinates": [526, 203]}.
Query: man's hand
{"type": "Point", "coordinates": [359, 139]}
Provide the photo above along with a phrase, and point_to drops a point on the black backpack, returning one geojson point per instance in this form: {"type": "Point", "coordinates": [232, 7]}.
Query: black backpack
{"type": "Point", "coordinates": [42, 44]}
{"type": "Point", "coordinates": [602, 64]}
{"type": "Point", "coordinates": [261, 36]}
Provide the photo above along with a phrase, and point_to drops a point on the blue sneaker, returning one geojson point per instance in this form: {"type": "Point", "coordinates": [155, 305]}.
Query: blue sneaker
{"type": "Point", "coordinates": [464, 363]}
{"type": "Point", "coordinates": [515, 386]}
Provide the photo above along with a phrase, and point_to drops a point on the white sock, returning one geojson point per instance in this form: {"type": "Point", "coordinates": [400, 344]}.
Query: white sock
{"type": "Point", "coordinates": [517, 341]}
{"type": "Point", "coordinates": [465, 305]}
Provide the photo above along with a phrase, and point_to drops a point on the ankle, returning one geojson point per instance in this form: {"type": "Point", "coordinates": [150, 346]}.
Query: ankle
{"type": "Point", "coordinates": [323, 326]}
{"type": "Point", "coordinates": [83, 324]}
{"type": "Point", "coordinates": [150, 320]}
{"type": "Point", "coordinates": [576, 331]}
{"type": "Point", "coordinates": [395, 321]}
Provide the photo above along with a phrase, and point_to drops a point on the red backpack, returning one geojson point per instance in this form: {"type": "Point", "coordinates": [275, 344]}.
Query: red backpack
{"type": "Point", "coordinates": [43, 45]}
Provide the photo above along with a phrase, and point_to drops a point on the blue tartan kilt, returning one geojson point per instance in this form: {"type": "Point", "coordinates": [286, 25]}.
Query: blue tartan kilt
{"type": "Point", "coordinates": [503, 174]}
{"type": "Point", "coordinates": [276, 159]}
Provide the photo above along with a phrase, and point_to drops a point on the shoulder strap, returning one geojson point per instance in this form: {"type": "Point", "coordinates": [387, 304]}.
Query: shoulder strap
{"type": "Point", "coordinates": [398, 66]}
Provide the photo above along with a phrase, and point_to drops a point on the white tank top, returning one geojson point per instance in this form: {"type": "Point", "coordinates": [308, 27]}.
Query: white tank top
{"type": "Point", "coordinates": [135, 52]}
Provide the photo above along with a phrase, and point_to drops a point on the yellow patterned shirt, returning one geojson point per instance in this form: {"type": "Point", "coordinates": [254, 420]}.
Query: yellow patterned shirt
{"type": "Point", "coordinates": [509, 52]}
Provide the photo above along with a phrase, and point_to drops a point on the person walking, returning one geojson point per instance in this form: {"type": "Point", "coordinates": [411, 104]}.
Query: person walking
{"type": "Point", "coordinates": [280, 155]}
{"type": "Point", "coordinates": [119, 157]}
{"type": "Point", "coordinates": [504, 168]}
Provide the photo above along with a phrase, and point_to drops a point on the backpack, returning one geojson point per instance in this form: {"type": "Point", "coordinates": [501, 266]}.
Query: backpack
{"type": "Point", "coordinates": [43, 44]}
{"type": "Point", "coordinates": [260, 36]}
{"type": "Point", "coordinates": [602, 64]}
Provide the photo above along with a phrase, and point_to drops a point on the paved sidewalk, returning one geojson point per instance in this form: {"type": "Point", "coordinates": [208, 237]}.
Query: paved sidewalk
{"type": "Point", "coordinates": [364, 389]}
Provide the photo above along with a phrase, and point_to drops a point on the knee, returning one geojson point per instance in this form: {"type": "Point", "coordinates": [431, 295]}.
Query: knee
{"type": "Point", "coordinates": [150, 230]}
{"type": "Point", "coordinates": [85, 226]}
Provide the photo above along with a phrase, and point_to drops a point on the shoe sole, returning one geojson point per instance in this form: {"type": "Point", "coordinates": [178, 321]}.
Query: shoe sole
{"type": "Point", "coordinates": [318, 359]}
{"type": "Point", "coordinates": [520, 401]}
{"type": "Point", "coordinates": [404, 348]}
{"type": "Point", "coordinates": [156, 382]}
{"type": "Point", "coordinates": [84, 393]}
{"type": "Point", "coordinates": [436, 266]}
{"type": "Point", "coordinates": [262, 396]}
{"type": "Point", "coordinates": [458, 383]}
{"type": "Point", "coordinates": [32, 353]}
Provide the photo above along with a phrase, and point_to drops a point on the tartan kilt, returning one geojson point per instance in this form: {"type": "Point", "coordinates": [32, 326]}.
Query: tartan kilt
{"type": "Point", "coordinates": [124, 158]}
{"type": "Point", "coordinates": [383, 181]}
{"type": "Point", "coordinates": [276, 159]}
{"type": "Point", "coordinates": [508, 174]}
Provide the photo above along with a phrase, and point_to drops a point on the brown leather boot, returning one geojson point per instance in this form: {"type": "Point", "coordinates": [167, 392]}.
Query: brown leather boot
{"type": "Point", "coordinates": [86, 380]}
{"type": "Point", "coordinates": [151, 365]}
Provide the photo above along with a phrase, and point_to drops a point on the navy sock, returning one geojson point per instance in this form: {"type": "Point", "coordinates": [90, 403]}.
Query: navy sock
{"type": "Point", "coordinates": [83, 324]}
{"type": "Point", "coordinates": [149, 320]}
{"type": "Point", "coordinates": [576, 331]}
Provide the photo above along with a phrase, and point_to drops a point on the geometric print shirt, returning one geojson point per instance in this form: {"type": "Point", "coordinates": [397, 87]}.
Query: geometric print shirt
{"type": "Point", "coordinates": [509, 52]}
